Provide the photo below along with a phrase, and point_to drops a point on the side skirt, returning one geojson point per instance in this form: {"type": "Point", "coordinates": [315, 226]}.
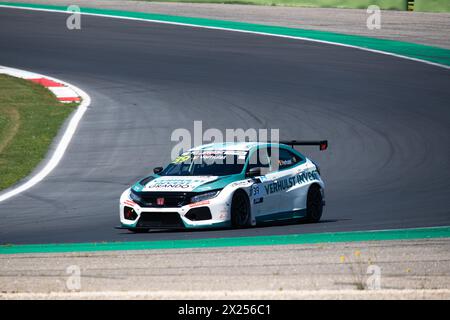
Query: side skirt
{"type": "Point", "coordinates": [287, 215]}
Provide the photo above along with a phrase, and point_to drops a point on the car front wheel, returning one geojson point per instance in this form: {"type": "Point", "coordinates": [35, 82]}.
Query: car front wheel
{"type": "Point", "coordinates": [240, 209]}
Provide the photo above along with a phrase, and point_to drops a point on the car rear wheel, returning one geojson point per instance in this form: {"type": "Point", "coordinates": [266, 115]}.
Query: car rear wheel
{"type": "Point", "coordinates": [314, 204]}
{"type": "Point", "coordinates": [240, 209]}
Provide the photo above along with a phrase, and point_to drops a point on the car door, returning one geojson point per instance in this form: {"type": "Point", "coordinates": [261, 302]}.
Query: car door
{"type": "Point", "coordinates": [288, 165]}
{"type": "Point", "coordinates": [264, 202]}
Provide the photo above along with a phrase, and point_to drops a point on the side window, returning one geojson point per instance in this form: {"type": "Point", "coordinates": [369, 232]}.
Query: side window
{"type": "Point", "coordinates": [259, 159]}
{"type": "Point", "coordinates": [282, 159]}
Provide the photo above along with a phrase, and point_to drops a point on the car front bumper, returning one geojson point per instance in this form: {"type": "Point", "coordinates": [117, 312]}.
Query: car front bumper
{"type": "Point", "coordinates": [191, 216]}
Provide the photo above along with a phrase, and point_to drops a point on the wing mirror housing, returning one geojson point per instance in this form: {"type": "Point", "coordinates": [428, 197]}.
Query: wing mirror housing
{"type": "Point", "coordinates": [253, 172]}
{"type": "Point", "coordinates": [157, 170]}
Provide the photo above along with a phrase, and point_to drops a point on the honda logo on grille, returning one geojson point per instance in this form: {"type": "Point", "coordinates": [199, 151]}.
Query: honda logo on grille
{"type": "Point", "coordinates": [160, 201]}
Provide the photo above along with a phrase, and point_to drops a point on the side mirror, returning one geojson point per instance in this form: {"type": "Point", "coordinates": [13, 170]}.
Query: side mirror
{"type": "Point", "coordinates": [253, 172]}
{"type": "Point", "coordinates": [157, 170]}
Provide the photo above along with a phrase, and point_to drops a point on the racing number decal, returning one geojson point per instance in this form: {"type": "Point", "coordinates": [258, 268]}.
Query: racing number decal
{"type": "Point", "coordinates": [181, 159]}
{"type": "Point", "coordinates": [255, 190]}
{"type": "Point", "coordinates": [256, 194]}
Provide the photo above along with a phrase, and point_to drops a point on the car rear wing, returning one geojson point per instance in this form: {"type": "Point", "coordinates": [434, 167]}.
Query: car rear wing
{"type": "Point", "coordinates": [323, 144]}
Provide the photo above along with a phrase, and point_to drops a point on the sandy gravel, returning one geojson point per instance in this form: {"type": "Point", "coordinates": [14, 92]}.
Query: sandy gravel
{"type": "Point", "coordinates": [337, 270]}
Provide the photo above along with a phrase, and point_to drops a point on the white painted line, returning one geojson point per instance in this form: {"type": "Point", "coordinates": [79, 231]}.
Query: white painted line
{"type": "Point", "coordinates": [17, 73]}
{"type": "Point", "coordinates": [62, 144]}
{"type": "Point", "coordinates": [238, 30]}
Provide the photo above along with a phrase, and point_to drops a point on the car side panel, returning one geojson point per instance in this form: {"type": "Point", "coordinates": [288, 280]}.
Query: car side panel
{"type": "Point", "coordinates": [294, 198]}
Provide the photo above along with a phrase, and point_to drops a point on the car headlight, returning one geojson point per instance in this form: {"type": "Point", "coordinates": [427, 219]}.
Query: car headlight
{"type": "Point", "coordinates": [205, 196]}
{"type": "Point", "coordinates": [135, 197]}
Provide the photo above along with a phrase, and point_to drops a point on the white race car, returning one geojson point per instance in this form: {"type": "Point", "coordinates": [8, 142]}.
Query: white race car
{"type": "Point", "coordinates": [227, 185]}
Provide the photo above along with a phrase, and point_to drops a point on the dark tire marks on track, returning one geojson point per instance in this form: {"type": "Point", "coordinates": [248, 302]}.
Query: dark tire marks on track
{"type": "Point", "coordinates": [387, 119]}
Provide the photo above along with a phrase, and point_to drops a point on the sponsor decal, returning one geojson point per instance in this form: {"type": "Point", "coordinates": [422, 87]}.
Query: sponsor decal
{"type": "Point", "coordinates": [129, 203]}
{"type": "Point", "coordinates": [240, 183]}
{"type": "Point", "coordinates": [177, 183]}
{"type": "Point", "coordinates": [137, 187]}
{"type": "Point", "coordinates": [223, 213]}
{"type": "Point", "coordinates": [172, 184]}
{"type": "Point", "coordinates": [290, 182]}
{"type": "Point", "coordinates": [198, 204]}
{"type": "Point", "coordinates": [285, 162]}
{"type": "Point", "coordinates": [209, 155]}
{"type": "Point", "coordinates": [258, 200]}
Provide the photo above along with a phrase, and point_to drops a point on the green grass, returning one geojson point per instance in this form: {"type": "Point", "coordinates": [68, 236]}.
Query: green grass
{"type": "Point", "coordinates": [432, 5]}
{"type": "Point", "coordinates": [359, 4]}
{"type": "Point", "coordinates": [30, 117]}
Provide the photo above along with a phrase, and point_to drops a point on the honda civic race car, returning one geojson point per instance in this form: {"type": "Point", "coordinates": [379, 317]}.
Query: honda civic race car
{"type": "Point", "coordinates": [227, 185]}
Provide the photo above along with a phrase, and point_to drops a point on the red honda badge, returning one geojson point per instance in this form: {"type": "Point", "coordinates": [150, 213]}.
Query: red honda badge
{"type": "Point", "coordinates": [160, 201]}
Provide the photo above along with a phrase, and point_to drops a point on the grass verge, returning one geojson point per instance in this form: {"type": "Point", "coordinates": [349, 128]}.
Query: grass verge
{"type": "Point", "coordinates": [432, 5]}
{"type": "Point", "coordinates": [351, 4]}
{"type": "Point", "coordinates": [30, 117]}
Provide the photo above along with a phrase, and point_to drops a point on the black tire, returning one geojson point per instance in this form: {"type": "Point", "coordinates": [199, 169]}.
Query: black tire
{"type": "Point", "coordinates": [140, 230]}
{"type": "Point", "coordinates": [240, 210]}
{"type": "Point", "coordinates": [314, 204]}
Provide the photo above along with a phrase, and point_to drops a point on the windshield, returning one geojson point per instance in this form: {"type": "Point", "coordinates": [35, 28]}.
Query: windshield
{"type": "Point", "coordinates": [207, 163]}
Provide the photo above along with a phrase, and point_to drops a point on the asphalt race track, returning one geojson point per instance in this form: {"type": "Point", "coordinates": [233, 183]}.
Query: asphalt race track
{"type": "Point", "coordinates": [387, 120]}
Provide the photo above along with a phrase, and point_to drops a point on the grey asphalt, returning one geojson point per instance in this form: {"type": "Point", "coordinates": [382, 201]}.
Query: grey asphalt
{"type": "Point", "coordinates": [387, 120]}
{"type": "Point", "coordinates": [429, 28]}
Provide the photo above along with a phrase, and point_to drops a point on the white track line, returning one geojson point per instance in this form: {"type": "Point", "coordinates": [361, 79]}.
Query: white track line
{"type": "Point", "coordinates": [63, 143]}
{"type": "Point", "coordinates": [236, 30]}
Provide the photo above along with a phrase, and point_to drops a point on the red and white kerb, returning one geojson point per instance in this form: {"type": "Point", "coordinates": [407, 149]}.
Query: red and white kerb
{"type": "Point", "coordinates": [62, 92]}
